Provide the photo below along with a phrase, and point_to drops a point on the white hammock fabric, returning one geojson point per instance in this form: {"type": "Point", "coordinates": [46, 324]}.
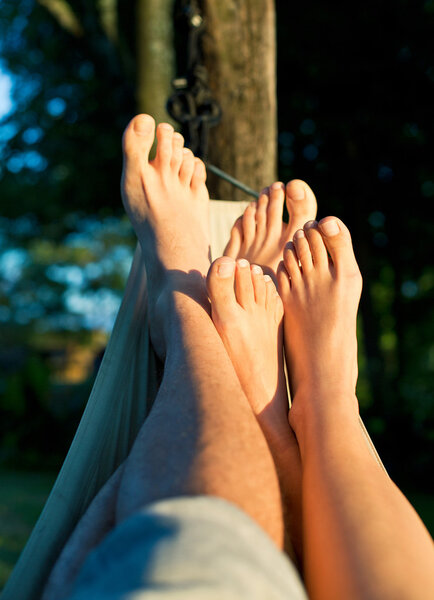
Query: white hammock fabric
{"type": "Point", "coordinates": [121, 398]}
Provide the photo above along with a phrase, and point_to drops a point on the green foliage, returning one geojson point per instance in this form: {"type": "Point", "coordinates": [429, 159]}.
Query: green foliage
{"type": "Point", "coordinates": [22, 496]}
{"type": "Point", "coordinates": [355, 93]}
{"type": "Point", "coordinates": [74, 95]}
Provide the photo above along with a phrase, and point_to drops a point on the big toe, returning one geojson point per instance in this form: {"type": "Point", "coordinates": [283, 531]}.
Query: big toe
{"type": "Point", "coordinates": [138, 138]}
{"type": "Point", "coordinates": [275, 207]}
{"type": "Point", "coordinates": [233, 247]}
{"type": "Point", "coordinates": [337, 240]}
{"type": "Point", "coordinates": [221, 291]}
{"type": "Point", "coordinates": [301, 204]}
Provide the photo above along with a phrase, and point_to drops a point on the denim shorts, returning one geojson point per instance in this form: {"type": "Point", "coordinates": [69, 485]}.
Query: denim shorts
{"type": "Point", "coordinates": [188, 548]}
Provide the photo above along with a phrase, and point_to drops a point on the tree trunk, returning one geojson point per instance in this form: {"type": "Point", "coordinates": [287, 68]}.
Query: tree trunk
{"type": "Point", "coordinates": [155, 56]}
{"type": "Point", "coordinates": [239, 46]}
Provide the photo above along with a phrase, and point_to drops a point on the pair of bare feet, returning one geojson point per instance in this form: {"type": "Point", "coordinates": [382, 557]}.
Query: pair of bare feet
{"type": "Point", "coordinates": [313, 314]}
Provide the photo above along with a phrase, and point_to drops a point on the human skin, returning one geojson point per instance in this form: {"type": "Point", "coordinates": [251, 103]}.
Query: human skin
{"type": "Point", "coordinates": [361, 537]}
{"type": "Point", "coordinates": [201, 436]}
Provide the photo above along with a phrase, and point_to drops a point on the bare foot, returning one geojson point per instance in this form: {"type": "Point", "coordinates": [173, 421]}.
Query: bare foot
{"type": "Point", "coordinates": [167, 202]}
{"type": "Point", "coordinates": [247, 312]}
{"type": "Point", "coordinates": [320, 299]}
{"type": "Point", "coordinates": [260, 234]}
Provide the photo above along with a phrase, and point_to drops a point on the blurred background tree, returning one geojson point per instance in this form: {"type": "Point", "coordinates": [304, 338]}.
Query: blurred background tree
{"type": "Point", "coordinates": [354, 99]}
{"type": "Point", "coordinates": [355, 91]}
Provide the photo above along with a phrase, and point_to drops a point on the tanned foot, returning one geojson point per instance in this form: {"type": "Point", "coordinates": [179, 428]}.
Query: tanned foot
{"type": "Point", "coordinates": [167, 202]}
{"type": "Point", "coordinates": [320, 285]}
{"type": "Point", "coordinates": [260, 235]}
{"type": "Point", "coordinates": [247, 312]}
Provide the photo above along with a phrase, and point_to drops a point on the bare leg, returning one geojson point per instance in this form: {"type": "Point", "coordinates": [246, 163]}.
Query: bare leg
{"type": "Point", "coordinates": [201, 436]}
{"type": "Point", "coordinates": [247, 312]}
{"type": "Point", "coordinates": [259, 236]}
{"type": "Point", "coordinates": [362, 539]}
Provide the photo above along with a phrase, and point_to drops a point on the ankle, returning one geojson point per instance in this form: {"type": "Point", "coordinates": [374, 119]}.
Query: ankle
{"type": "Point", "coordinates": [179, 299]}
{"type": "Point", "coordinates": [315, 411]}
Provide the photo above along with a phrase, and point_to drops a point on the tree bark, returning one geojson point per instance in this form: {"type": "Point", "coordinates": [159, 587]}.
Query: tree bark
{"type": "Point", "coordinates": [239, 46]}
{"type": "Point", "coordinates": [155, 56]}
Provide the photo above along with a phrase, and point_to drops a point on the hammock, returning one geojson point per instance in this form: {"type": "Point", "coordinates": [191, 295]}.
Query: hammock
{"type": "Point", "coordinates": [121, 399]}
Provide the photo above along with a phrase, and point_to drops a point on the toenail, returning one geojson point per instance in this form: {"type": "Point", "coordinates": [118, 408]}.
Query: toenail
{"type": "Point", "coordinates": [278, 185]}
{"type": "Point", "coordinates": [186, 151]}
{"type": "Point", "coordinates": [289, 246]}
{"type": "Point", "coordinates": [142, 126]}
{"type": "Point", "coordinates": [297, 192]}
{"type": "Point", "coordinates": [330, 228]}
{"type": "Point", "coordinates": [267, 278]}
{"type": "Point", "coordinates": [242, 262]}
{"type": "Point", "coordinates": [226, 269]}
{"type": "Point", "coordinates": [166, 126]}
{"type": "Point", "coordinates": [310, 224]}
{"type": "Point", "coordinates": [299, 234]}
{"type": "Point", "coordinates": [256, 269]}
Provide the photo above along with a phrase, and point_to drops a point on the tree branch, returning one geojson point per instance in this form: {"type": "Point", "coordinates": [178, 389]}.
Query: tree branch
{"type": "Point", "coordinates": [109, 18]}
{"type": "Point", "coordinates": [64, 15]}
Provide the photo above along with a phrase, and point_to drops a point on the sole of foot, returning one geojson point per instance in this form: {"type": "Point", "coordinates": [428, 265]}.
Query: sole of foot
{"type": "Point", "coordinates": [260, 234]}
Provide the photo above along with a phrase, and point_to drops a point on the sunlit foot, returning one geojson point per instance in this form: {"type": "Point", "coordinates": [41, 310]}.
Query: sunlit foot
{"type": "Point", "coordinates": [247, 312]}
{"type": "Point", "coordinates": [320, 286]}
{"type": "Point", "coordinates": [167, 202]}
{"type": "Point", "coordinates": [260, 234]}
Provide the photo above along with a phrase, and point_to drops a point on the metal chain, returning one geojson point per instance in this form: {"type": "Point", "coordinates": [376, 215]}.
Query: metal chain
{"type": "Point", "coordinates": [192, 104]}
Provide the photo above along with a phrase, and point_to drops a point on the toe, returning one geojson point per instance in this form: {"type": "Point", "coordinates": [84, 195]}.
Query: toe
{"type": "Point", "coordinates": [199, 174]}
{"type": "Point", "coordinates": [271, 292]}
{"type": "Point", "coordinates": [278, 307]}
{"type": "Point", "coordinates": [177, 146]}
{"type": "Point", "coordinates": [275, 208]}
{"type": "Point", "coordinates": [290, 261]}
{"type": "Point", "coordinates": [234, 245]}
{"type": "Point", "coordinates": [261, 217]}
{"type": "Point", "coordinates": [303, 251]}
{"type": "Point", "coordinates": [220, 285]}
{"type": "Point", "coordinates": [164, 145]}
{"type": "Point", "coordinates": [301, 205]}
{"type": "Point", "coordinates": [243, 284]}
{"type": "Point", "coordinates": [136, 142]}
{"type": "Point", "coordinates": [283, 280]}
{"type": "Point", "coordinates": [138, 139]}
{"type": "Point", "coordinates": [316, 245]}
{"type": "Point", "coordinates": [337, 239]}
{"type": "Point", "coordinates": [258, 284]}
{"type": "Point", "coordinates": [187, 167]}
{"type": "Point", "coordinates": [249, 225]}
